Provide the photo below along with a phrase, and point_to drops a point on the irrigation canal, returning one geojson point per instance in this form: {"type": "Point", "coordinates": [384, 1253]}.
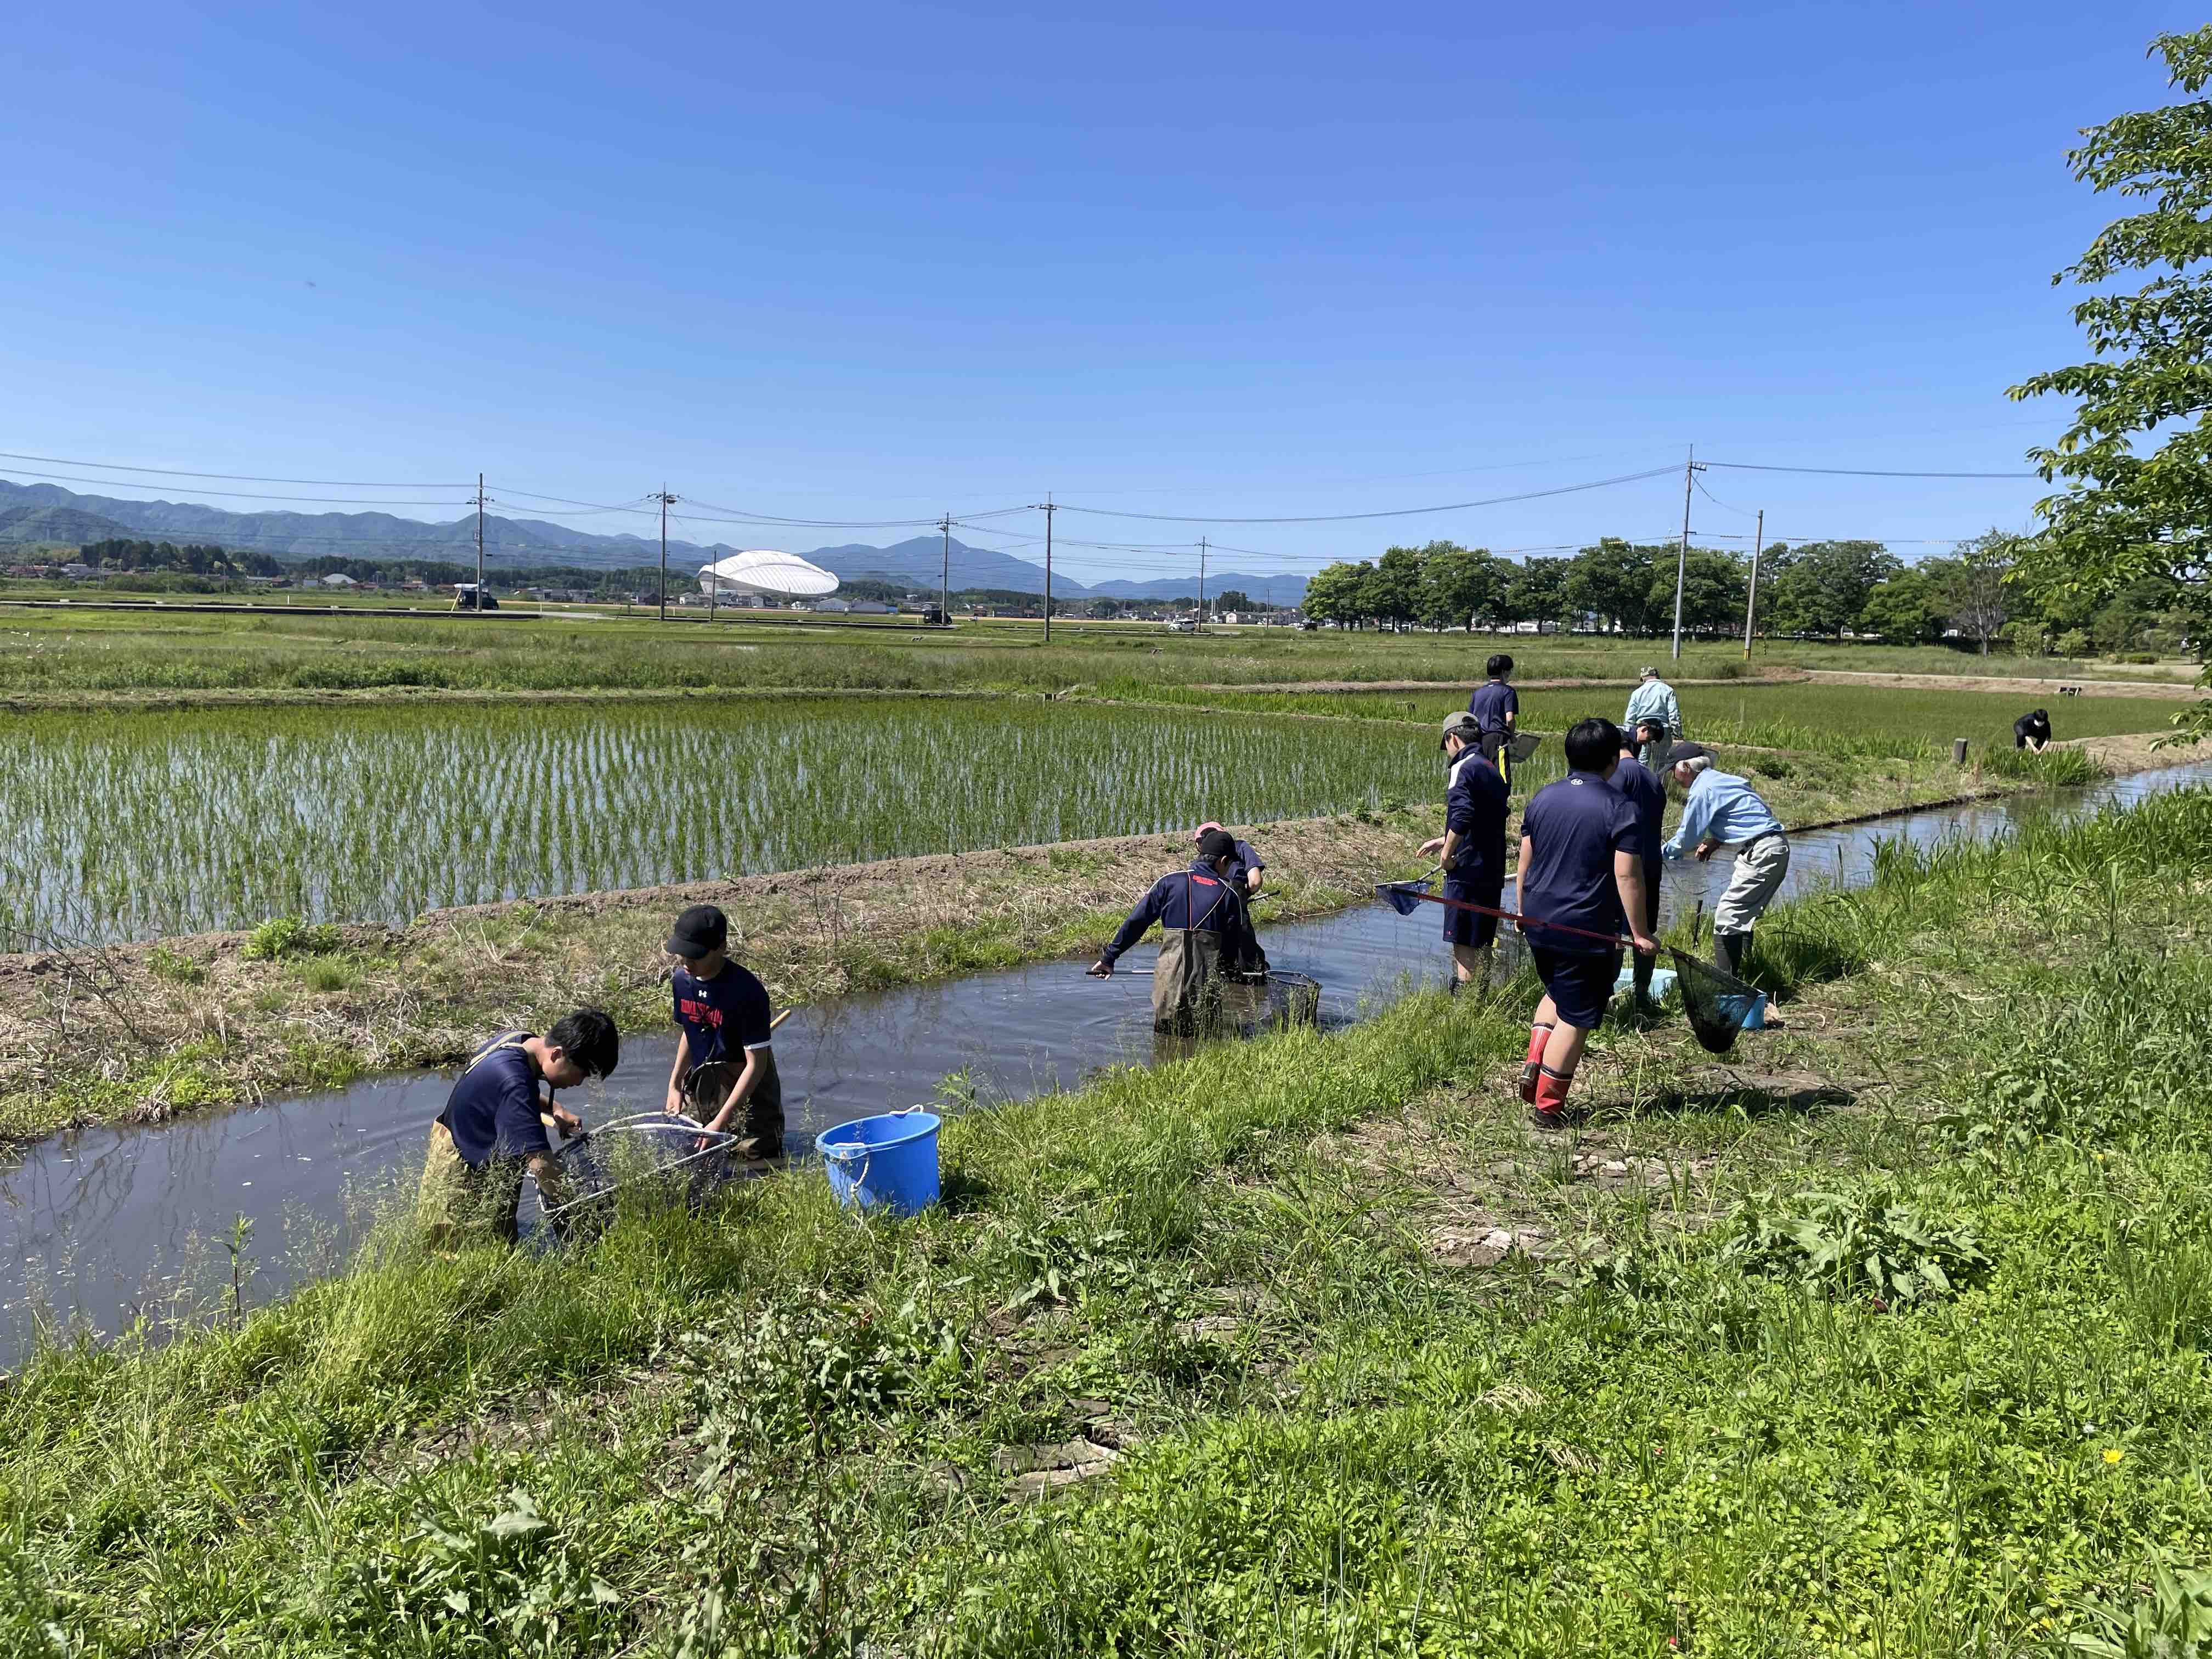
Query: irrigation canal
{"type": "Point", "coordinates": [100, 1225]}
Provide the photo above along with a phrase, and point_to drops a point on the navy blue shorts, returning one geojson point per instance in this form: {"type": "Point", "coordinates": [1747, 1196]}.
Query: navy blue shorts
{"type": "Point", "coordinates": [1579, 982]}
{"type": "Point", "coordinates": [1464, 926]}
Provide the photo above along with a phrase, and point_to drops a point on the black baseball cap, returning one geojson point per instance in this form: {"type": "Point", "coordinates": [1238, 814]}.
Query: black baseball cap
{"type": "Point", "coordinates": [1215, 844]}
{"type": "Point", "coordinates": [698, 931]}
{"type": "Point", "coordinates": [1687, 751]}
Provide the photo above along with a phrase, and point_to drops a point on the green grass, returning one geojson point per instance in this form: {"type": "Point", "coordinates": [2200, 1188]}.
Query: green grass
{"type": "Point", "coordinates": [1818, 719]}
{"type": "Point", "coordinates": [772, 1428]}
{"type": "Point", "coordinates": [213, 819]}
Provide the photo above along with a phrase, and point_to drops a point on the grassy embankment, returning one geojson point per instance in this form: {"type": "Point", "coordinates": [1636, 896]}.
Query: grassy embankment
{"type": "Point", "coordinates": [1886, 1337]}
{"type": "Point", "coordinates": [203, 1023]}
{"type": "Point", "coordinates": [54, 658]}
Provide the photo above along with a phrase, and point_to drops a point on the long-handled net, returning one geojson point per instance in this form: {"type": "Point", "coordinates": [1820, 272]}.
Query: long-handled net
{"type": "Point", "coordinates": [1715, 1003]}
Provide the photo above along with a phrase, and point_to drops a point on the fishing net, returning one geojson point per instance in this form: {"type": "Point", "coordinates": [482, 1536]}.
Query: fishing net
{"type": "Point", "coordinates": [673, 1160]}
{"type": "Point", "coordinates": [1716, 1004]}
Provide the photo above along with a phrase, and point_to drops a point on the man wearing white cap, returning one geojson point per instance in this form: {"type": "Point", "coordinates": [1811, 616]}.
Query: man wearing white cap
{"type": "Point", "coordinates": [1652, 706]}
{"type": "Point", "coordinates": [1719, 808]}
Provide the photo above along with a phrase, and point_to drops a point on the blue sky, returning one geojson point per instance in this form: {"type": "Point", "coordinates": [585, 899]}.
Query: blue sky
{"type": "Point", "coordinates": [876, 262]}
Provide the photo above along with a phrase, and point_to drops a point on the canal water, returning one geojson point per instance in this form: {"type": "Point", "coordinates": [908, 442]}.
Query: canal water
{"type": "Point", "coordinates": [101, 1227]}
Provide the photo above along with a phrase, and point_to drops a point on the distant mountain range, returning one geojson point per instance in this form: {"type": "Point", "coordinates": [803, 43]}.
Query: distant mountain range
{"type": "Point", "coordinates": [31, 513]}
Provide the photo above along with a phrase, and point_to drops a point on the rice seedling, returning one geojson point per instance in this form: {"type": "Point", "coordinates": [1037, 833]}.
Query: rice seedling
{"type": "Point", "coordinates": [213, 820]}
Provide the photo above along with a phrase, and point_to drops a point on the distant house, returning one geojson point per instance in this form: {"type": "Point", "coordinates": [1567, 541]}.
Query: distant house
{"type": "Point", "coordinates": [78, 573]}
{"type": "Point", "coordinates": [837, 605]}
{"type": "Point", "coordinates": [27, 572]}
{"type": "Point", "coordinates": [339, 579]}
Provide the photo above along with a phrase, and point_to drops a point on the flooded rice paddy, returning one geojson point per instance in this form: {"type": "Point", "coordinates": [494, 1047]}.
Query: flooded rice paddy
{"type": "Point", "coordinates": [104, 1226]}
{"type": "Point", "coordinates": [160, 823]}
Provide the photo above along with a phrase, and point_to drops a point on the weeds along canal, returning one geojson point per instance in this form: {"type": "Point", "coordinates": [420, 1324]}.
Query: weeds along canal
{"type": "Point", "coordinates": [100, 1227]}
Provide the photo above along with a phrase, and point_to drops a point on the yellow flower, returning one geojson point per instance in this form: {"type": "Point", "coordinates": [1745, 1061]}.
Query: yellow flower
{"type": "Point", "coordinates": [2114, 1454]}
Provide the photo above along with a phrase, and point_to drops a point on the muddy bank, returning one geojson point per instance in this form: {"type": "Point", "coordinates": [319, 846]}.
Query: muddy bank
{"type": "Point", "coordinates": [2045, 686]}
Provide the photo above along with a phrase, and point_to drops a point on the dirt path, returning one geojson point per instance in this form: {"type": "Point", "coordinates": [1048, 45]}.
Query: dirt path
{"type": "Point", "coordinates": [2039, 688]}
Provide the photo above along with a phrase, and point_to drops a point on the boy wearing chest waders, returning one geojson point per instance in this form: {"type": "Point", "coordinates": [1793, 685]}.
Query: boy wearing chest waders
{"type": "Point", "coordinates": [725, 1065]}
{"type": "Point", "coordinates": [1582, 864]}
{"type": "Point", "coordinates": [1208, 940]}
{"type": "Point", "coordinates": [491, 1134]}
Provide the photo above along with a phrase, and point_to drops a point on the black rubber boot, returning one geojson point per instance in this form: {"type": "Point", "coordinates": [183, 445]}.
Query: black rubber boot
{"type": "Point", "coordinates": [1729, 953]}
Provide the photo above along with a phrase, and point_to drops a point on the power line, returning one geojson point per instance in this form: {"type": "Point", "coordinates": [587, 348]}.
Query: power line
{"type": "Point", "coordinates": [236, 495]}
{"type": "Point", "coordinates": [1861, 472]}
{"type": "Point", "coordinates": [1392, 513]}
{"type": "Point", "coordinates": [234, 477]}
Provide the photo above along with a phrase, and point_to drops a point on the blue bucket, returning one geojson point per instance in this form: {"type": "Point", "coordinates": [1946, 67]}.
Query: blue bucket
{"type": "Point", "coordinates": [888, 1161]}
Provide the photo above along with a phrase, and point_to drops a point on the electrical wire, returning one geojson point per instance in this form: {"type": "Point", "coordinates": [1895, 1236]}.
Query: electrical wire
{"type": "Point", "coordinates": [1393, 512]}
{"type": "Point", "coordinates": [233, 477]}
{"type": "Point", "coordinates": [1859, 471]}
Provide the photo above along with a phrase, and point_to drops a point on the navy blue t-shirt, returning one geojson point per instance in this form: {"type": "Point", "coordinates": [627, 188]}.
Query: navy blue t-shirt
{"type": "Point", "coordinates": [493, 1111]}
{"type": "Point", "coordinates": [1649, 797]}
{"type": "Point", "coordinates": [1476, 805]}
{"type": "Point", "coordinates": [1247, 862]}
{"type": "Point", "coordinates": [1576, 825]}
{"type": "Point", "coordinates": [1492, 702]}
{"type": "Point", "coordinates": [721, 1015]}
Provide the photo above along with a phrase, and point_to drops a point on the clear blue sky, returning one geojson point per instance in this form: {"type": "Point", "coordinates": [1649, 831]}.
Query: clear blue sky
{"type": "Point", "coordinates": [877, 261]}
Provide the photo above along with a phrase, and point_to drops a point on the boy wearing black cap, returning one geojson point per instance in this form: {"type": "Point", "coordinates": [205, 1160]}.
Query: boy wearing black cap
{"type": "Point", "coordinates": [725, 1065]}
{"type": "Point", "coordinates": [1208, 938]}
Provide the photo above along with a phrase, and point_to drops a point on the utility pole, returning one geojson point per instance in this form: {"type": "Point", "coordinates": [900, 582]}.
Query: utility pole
{"type": "Point", "coordinates": [1046, 507]}
{"type": "Point", "coordinates": [1199, 627]}
{"type": "Point", "coordinates": [480, 508]}
{"type": "Point", "coordinates": [1751, 601]}
{"type": "Point", "coordinates": [664, 498]}
{"type": "Point", "coordinates": [944, 579]}
{"type": "Point", "coordinates": [1682, 559]}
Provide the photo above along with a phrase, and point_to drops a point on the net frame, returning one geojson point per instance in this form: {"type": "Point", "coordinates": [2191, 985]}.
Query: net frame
{"type": "Point", "coordinates": [1716, 1004]}
{"type": "Point", "coordinates": [673, 1155]}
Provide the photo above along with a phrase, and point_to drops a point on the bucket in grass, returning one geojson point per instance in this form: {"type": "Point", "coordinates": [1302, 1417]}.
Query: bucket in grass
{"type": "Point", "coordinates": [1662, 980]}
{"type": "Point", "coordinates": [884, 1162]}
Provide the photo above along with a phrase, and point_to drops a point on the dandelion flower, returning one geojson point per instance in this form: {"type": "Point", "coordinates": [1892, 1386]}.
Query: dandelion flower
{"type": "Point", "coordinates": [2114, 1454]}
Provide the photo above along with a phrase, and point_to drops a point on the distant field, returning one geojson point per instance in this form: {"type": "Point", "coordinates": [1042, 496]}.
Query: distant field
{"type": "Point", "coordinates": [1834, 720]}
{"type": "Point", "coordinates": [50, 653]}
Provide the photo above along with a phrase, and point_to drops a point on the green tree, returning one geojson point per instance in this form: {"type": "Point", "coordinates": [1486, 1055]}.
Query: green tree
{"type": "Point", "coordinates": [1974, 585]}
{"type": "Point", "coordinates": [1824, 585]}
{"type": "Point", "coordinates": [1906, 610]}
{"type": "Point", "coordinates": [2121, 516]}
{"type": "Point", "coordinates": [1537, 591]}
{"type": "Point", "coordinates": [1714, 586]}
{"type": "Point", "coordinates": [1394, 590]}
{"type": "Point", "coordinates": [1336, 593]}
{"type": "Point", "coordinates": [1615, 582]}
{"type": "Point", "coordinates": [1234, 598]}
{"type": "Point", "coordinates": [1458, 584]}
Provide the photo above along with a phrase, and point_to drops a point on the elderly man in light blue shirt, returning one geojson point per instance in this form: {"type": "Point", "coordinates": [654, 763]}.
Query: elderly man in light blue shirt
{"type": "Point", "coordinates": [1652, 706]}
{"type": "Point", "coordinates": [1721, 809]}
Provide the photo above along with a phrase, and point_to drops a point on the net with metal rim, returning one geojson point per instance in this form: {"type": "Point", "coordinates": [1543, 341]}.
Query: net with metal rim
{"type": "Point", "coordinates": [1716, 1004]}
{"type": "Point", "coordinates": [675, 1159]}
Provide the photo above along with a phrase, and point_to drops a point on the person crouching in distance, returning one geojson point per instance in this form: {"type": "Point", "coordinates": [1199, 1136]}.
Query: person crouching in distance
{"type": "Point", "coordinates": [1471, 849]}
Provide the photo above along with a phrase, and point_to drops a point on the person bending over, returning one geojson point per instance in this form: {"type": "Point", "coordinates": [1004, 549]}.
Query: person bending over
{"type": "Point", "coordinates": [1721, 809]}
{"type": "Point", "coordinates": [1581, 863]}
{"type": "Point", "coordinates": [1244, 874]}
{"type": "Point", "coordinates": [491, 1134]}
{"type": "Point", "coordinates": [1208, 938]}
{"type": "Point", "coordinates": [2032, 731]}
{"type": "Point", "coordinates": [1472, 849]}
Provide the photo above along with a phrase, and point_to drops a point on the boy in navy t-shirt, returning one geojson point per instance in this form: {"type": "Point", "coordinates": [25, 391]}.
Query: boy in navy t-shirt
{"type": "Point", "coordinates": [1582, 864]}
{"type": "Point", "coordinates": [492, 1133]}
{"type": "Point", "coordinates": [1496, 707]}
{"type": "Point", "coordinates": [725, 1065]}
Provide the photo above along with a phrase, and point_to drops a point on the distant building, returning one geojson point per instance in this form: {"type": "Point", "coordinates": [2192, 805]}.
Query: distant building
{"type": "Point", "coordinates": [836, 606]}
{"type": "Point", "coordinates": [339, 579]}
{"type": "Point", "coordinates": [868, 608]}
{"type": "Point", "coordinates": [78, 573]}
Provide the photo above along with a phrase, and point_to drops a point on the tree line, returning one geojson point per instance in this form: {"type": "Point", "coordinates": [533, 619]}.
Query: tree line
{"type": "Point", "coordinates": [1820, 589]}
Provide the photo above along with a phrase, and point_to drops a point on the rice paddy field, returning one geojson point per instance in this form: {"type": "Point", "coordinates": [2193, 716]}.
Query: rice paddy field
{"type": "Point", "coordinates": [148, 824]}
{"type": "Point", "coordinates": [1896, 721]}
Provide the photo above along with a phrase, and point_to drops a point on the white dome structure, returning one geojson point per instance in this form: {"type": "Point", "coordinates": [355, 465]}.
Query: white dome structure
{"type": "Point", "coordinates": [764, 570]}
